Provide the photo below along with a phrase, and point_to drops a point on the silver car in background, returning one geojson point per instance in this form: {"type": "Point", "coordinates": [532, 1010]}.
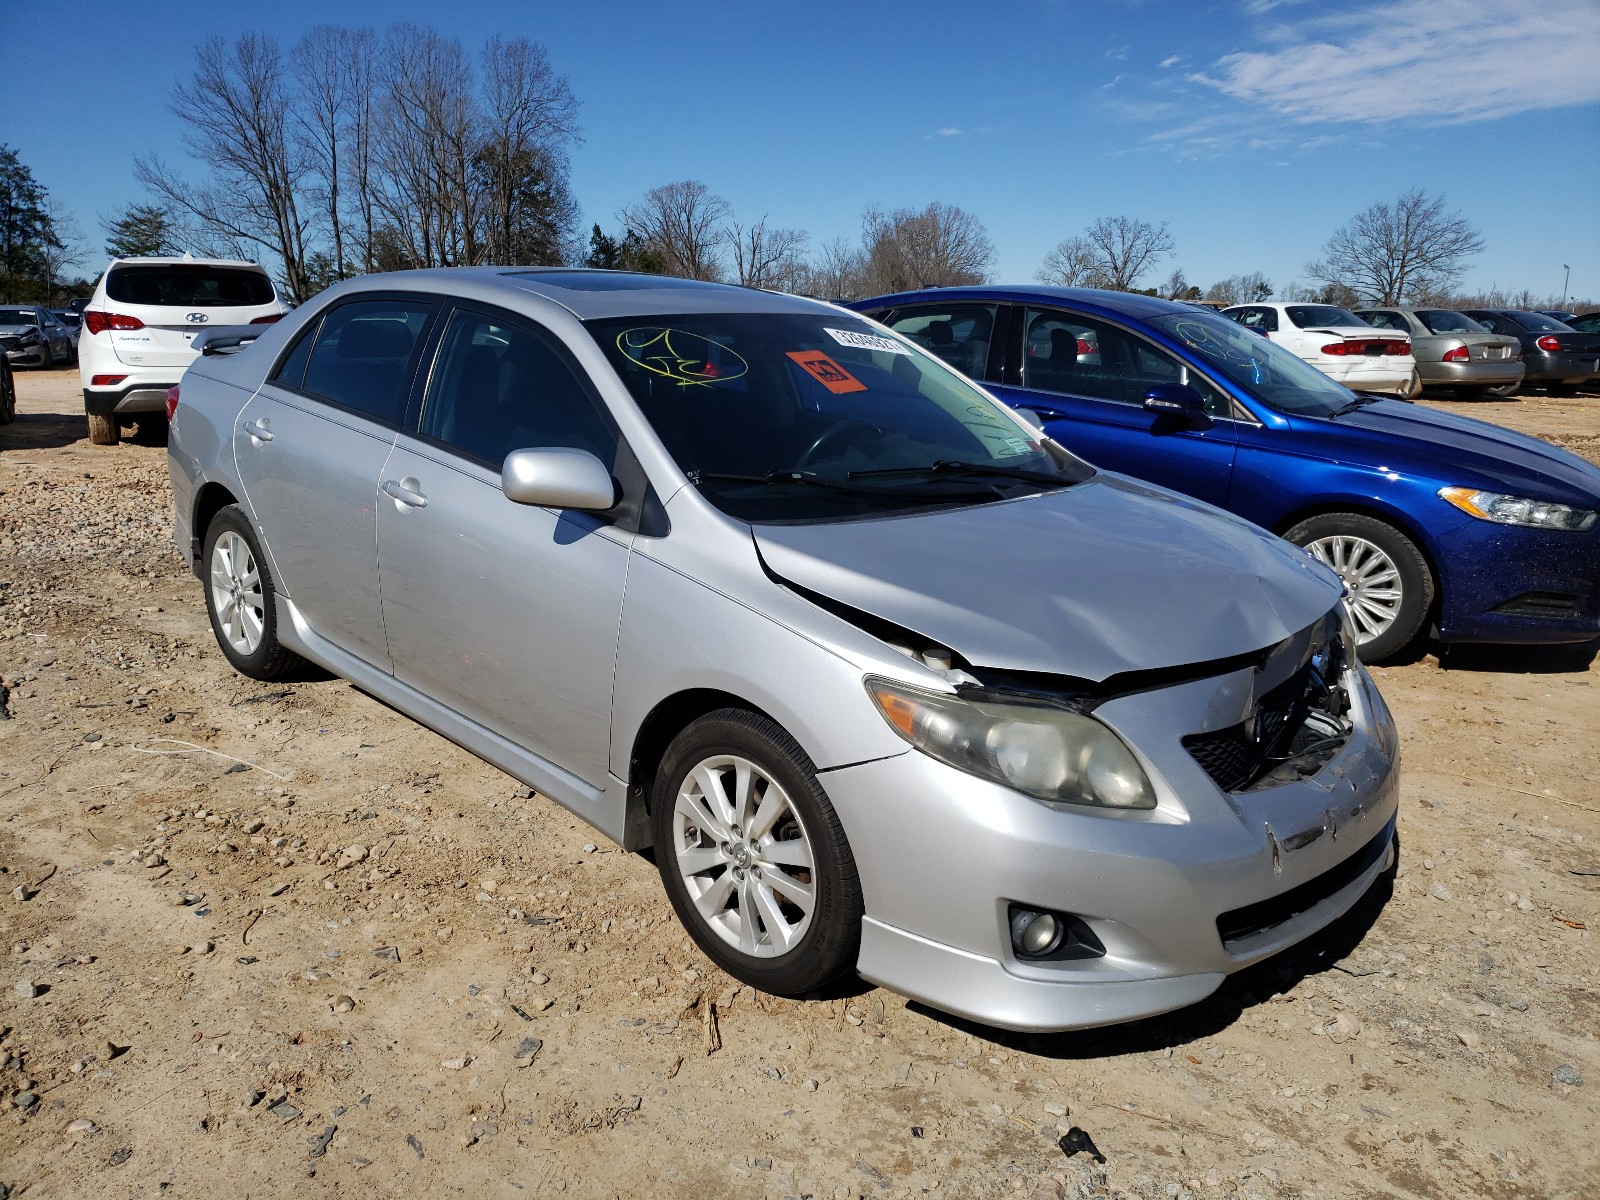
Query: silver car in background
{"type": "Point", "coordinates": [1454, 351]}
{"type": "Point", "coordinates": [892, 683]}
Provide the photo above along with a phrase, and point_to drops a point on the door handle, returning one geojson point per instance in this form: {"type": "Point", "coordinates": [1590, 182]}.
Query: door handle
{"type": "Point", "coordinates": [406, 491]}
{"type": "Point", "coordinates": [259, 429]}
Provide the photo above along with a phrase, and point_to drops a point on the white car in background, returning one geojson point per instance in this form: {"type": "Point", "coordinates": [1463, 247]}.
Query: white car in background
{"type": "Point", "coordinates": [1338, 343]}
{"type": "Point", "coordinates": [137, 327]}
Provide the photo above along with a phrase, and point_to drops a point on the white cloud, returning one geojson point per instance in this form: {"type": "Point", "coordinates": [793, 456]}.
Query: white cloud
{"type": "Point", "coordinates": [1171, 61]}
{"type": "Point", "coordinates": [1438, 61]}
{"type": "Point", "coordinates": [947, 132]}
{"type": "Point", "coordinates": [1106, 87]}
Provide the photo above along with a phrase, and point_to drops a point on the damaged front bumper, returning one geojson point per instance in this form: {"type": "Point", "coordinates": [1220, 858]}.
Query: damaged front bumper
{"type": "Point", "coordinates": [1178, 897]}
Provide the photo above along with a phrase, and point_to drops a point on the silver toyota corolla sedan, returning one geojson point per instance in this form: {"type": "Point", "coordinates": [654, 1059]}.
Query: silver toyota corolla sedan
{"type": "Point", "coordinates": [892, 683]}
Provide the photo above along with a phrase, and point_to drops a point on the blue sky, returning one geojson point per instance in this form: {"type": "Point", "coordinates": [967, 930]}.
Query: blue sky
{"type": "Point", "coordinates": [1254, 128]}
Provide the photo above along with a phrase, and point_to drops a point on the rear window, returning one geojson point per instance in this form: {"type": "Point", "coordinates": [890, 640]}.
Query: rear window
{"type": "Point", "coordinates": [1308, 316]}
{"type": "Point", "coordinates": [1441, 320]}
{"type": "Point", "coordinates": [1539, 323]}
{"type": "Point", "coordinates": [190, 286]}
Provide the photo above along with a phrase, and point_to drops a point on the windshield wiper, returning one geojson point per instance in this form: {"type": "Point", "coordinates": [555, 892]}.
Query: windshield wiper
{"type": "Point", "coordinates": [948, 466]}
{"type": "Point", "coordinates": [808, 479]}
{"type": "Point", "coordinates": [1361, 401]}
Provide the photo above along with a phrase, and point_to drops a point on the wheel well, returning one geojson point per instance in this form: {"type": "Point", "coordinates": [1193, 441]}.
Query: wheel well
{"type": "Point", "coordinates": [1377, 514]}
{"type": "Point", "coordinates": [666, 720]}
{"type": "Point", "coordinates": [211, 499]}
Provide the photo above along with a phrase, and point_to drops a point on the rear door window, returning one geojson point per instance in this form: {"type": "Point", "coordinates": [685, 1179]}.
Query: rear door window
{"type": "Point", "coordinates": [364, 356]}
{"type": "Point", "coordinates": [190, 285]}
{"type": "Point", "coordinates": [960, 334]}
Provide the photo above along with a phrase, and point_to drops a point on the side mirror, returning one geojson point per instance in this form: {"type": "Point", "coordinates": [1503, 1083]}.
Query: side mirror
{"type": "Point", "coordinates": [558, 477]}
{"type": "Point", "coordinates": [1179, 404]}
{"type": "Point", "coordinates": [1030, 417]}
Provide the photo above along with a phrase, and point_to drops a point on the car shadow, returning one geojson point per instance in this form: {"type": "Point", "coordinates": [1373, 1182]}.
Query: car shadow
{"type": "Point", "coordinates": [43, 431]}
{"type": "Point", "coordinates": [1247, 989]}
{"type": "Point", "coordinates": [1573, 658]}
{"type": "Point", "coordinates": [54, 431]}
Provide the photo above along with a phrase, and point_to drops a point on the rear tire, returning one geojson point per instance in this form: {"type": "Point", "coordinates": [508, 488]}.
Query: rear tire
{"type": "Point", "coordinates": [8, 393]}
{"type": "Point", "coordinates": [241, 599]}
{"type": "Point", "coordinates": [1506, 390]}
{"type": "Point", "coordinates": [753, 856]}
{"type": "Point", "coordinates": [1391, 588]}
{"type": "Point", "coordinates": [104, 429]}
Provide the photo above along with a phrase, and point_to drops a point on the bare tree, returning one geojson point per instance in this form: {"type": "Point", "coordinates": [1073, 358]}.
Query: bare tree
{"type": "Point", "coordinates": [682, 223]}
{"type": "Point", "coordinates": [767, 258]}
{"type": "Point", "coordinates": [1073, 263]}
{"type": "Point", "coordinates": [427, 131]}
{"type": "Point", "coordinates": [237, 113]}
{"type": "Point", "coordinates": [1240, 289]}
{"type": "Point", "coordinates": [323, 61]}
{"type": "Point", "coordinates": [838, 273]}
{"type": "Point", "coordinates": [1392, 253]}
{"type": "Point", "coordinates": [360, 165]}
{"type": "Point", "coordinates": [940, 246]}
{"type": "Point", "coordinates": [530, 117]}
{"type": "Point", "coordinates": [1125, 248]}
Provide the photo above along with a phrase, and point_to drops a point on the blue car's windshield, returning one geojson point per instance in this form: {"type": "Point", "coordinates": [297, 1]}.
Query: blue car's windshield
{"type": "Point", "coordinates": [1262, 369]}
{"type": "Point", "coordinates": [800, 416]}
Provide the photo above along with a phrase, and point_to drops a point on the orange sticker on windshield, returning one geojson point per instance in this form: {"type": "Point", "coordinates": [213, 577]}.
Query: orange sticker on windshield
{"type": "Point", "coordinates": [827, 372]}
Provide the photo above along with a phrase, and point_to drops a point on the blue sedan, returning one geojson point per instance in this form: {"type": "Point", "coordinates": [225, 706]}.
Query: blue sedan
{"type": "Point", "coordinates": [1430, 518]}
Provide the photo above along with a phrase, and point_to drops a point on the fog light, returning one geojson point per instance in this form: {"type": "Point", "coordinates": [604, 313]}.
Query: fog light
{"type": "Point", "coordinates": [1034, 934]}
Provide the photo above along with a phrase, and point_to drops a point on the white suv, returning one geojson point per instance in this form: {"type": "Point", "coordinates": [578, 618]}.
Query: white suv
{"type": "Point", "coordinates": [138, 325]}
{"type": "Point", "coordinates": [1338, 343]}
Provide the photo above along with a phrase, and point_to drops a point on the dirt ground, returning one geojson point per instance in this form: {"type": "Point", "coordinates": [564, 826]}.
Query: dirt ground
{"type": "Point", "coordinates": [273, 939]}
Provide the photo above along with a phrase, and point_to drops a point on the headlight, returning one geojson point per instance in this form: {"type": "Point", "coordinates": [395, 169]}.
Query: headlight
{"type": "Point", "coordinates": [1517, 510]}
{"type": "Point", "coordinates": [30, 338]}
{"type": "Point", "coordinates": [1050, 754]}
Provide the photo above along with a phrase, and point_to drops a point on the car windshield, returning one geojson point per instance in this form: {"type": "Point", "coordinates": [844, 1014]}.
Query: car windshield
{"type": "Point", "coordinates": [1539, 323]}
{"type": "Point", "coordinates": [1442, 320]}
{"type": "Point", "coordinates": [1314, 316]}
{"type": "Point", "coordinates": [1275, 376]}
{"type": "Point", "coordinates": [807, 417]}
{"type": "Point", "coordinates": [67, 317]}
{"type": "Point", "coordinates": [18, 316]}
{"type": "Point", "coordinates": [190, 285]}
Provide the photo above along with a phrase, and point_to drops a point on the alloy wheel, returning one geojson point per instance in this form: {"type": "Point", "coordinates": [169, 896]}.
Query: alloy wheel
{"type": "Point", "coordinates": [1371, 576]}
{"type": "Point", "coordinates": [236, 592]}
{"type": "Point", "coordinates": [744, 855]}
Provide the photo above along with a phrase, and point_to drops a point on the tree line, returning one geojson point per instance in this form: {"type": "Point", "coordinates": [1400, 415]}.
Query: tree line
{"type": "Point", "coordinates": [354, 150]}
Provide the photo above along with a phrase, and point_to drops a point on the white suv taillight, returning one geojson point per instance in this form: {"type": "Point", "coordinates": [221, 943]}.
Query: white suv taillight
{"type": "Point", "coordinates": [99, 322]}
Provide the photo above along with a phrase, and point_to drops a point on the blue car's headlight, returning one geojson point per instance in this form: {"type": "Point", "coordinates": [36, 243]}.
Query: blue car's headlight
{"type": "Point", "coordinates": [1518, 510]}
{"type": "Point", "coordinates": [1048, 753]}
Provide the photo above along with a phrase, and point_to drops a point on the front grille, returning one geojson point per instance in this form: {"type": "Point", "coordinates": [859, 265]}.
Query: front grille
{"type": "Point", "coordinates": [6, 343]}
{"type": "Point", "coordinates": [1246, 922]}
{"type": "Point", "coordinates": [1236, 757]}
{"type": "Point", "coordinates": [1550, 606]}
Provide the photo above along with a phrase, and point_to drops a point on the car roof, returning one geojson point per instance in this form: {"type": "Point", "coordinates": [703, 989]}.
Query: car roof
{"type": "Point", "coordinates": [1130, 304]}
{"type": "Point", "coordinates": [183, 260]}
{"type": "Point", "coordinates": [587, 293]}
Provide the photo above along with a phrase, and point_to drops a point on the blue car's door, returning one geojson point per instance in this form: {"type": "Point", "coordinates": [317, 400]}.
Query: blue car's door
{"type": "Point", "coordinates": [1087, 379]}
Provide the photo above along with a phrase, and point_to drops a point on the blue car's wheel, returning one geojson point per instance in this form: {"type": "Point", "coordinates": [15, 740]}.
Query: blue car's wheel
{"type": "Point", "coordinates": [1390, 588]}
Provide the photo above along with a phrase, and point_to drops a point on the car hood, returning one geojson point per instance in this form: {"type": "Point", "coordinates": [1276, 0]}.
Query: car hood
{"type": "Point", "coordinates": [15, 330]}
{"type": "Point", "coordinates": [1445, 440]}
{"type": "Point", "coordinates": [1090, 581]}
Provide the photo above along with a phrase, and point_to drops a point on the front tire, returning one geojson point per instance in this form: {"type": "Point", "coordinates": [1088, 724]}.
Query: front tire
{"type": "Point", "coordinates": [753, 856]}
{"type": "Point", "coordinates": [241, 600]}
{"type": "Point", "coordinates": [1390, 586]}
